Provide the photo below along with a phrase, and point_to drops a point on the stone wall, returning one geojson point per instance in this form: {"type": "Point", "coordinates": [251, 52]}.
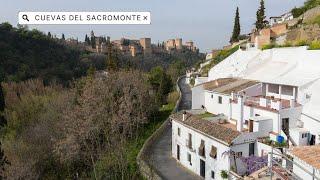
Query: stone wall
{"type": "Point", "coordinates": [310, 14]}
{"type": "Point", "coordinates": [145, 168]}
{"type": "Point", "coordinates": [308, 33]}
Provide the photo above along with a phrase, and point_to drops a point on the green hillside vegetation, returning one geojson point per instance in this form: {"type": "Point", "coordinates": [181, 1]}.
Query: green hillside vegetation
{"type": "Point", "coordinates": [309, 4]}
{"type": "Point", "coordinates": [28, 54]}
{"type": "Point", "coordinates": [223, 54]}
{"type": "Point", "coordinates": [313, 45]}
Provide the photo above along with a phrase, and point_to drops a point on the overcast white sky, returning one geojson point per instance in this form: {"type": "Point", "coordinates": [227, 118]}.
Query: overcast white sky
{"type": "Point", "coordinates": [207, 22]}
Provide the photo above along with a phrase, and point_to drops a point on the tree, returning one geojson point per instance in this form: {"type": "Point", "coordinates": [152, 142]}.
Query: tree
{"type": "Point", "coordinates": [49, 35]}
{"type": "Point", "coordinates": [161, 83]}
{"type": "Point", "coordinates": [2, 103]}
{"type": "Point", "coordinates": [63, 38]}
{"type": "Point", "coordinates": [236, 28]}
{"type": "Point", "coordinates": [261, 18]}
{"type": "Point", "coordinates": [111, 62]}
{"type": "Point", "coordinates": [3, 162]}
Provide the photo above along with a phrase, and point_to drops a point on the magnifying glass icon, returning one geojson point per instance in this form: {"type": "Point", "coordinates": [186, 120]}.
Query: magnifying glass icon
{"type": "Point", "coordinates": [25, 17]}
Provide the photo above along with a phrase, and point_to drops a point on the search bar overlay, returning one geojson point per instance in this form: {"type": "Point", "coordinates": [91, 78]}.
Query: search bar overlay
{"type": "Point", "coordinates": [84, 18]}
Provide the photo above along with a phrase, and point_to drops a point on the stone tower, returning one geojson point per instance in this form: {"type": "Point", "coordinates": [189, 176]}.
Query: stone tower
{"type": "Point", "coordinates": [146, 45]}
{"type": "Point", "coordinates": [178, 43]}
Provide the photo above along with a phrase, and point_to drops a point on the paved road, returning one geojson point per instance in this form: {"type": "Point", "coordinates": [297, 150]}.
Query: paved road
{"type": "Point", "coordinates": [161, 151]}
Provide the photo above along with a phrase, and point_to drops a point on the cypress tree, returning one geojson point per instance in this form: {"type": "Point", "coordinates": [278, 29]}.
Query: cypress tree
{"type": "Point", "coordinates": [261, 17]}
{"type": "Point", "coordinates": [63, 38]}
{"type": "Point", "coordinates": [49, 34]}
{"type": "Point", "coordinates": [236, 28]}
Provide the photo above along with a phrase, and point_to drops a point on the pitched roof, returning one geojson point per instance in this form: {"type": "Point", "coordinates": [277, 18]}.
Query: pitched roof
{"type": "Point", "coordinates": [308, 154]}
{"type": "Point", "coordinates": [217, 83]}
{"type": "Point", "coordinates": [228, 85]}
{"type": "Point", "coordinates": [210, 128]}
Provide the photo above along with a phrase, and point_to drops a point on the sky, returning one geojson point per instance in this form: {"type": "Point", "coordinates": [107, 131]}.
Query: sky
{"type": "Point", "coordinates": [208, 23]}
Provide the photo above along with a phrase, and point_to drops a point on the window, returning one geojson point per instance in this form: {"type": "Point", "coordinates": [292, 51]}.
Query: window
{"type": "Point", "coordinates": [202, 149]}
{"type": "Point", "coordinates": [179, 132]}
{"type": "Point", "coordinates": [190, 141]}
{"type": "Point", "coordinates": [213, 152]}
{"type": "Point", "coordinates": [220, 100]}
{"type": "Point", "coordinates": [304, 135]}
{"type": "Point", "coordinates": [212, 174]}
{"type": "Point", "coordinates": [189, 159]}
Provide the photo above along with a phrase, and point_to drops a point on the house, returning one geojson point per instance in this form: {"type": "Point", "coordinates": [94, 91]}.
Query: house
{"type": "Point", "coordinates": [250, 104]}
{"type": "Point", "coordinates": [208, 147]}
{"type": "Point", "coordinates": [280, 19]}
{"type": "Point", "coordinates": [271, 96]}
{"type": "Point", "coordinates": [306, 162]}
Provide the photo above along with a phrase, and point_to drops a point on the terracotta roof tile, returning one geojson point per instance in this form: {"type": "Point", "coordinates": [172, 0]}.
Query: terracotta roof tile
{"type": "Point", "coordinates": [308, 154]}
{"type": "Point", "coordinates": [207, 127]}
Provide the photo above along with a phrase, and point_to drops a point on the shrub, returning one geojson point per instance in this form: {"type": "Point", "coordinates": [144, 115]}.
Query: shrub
{"type": "Point", "coordinates": [173, 97]}
{"type": "Point", "coordinates": [314, 45]}
{"type": "Point", "coordinates": [224, 174]}
{"type": "Point", "coordinates": [192, 81]}
{"type": "Point", "coordinates": [302, 42]}
{"type": "Point", "coordinates": [268, 46]}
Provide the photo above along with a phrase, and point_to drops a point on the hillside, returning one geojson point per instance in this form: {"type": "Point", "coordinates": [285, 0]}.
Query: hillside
{"type": "Point", "coordinates": [28, 54]}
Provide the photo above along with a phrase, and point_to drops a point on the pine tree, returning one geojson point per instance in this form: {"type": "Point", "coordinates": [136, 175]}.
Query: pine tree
{"type": "Point", "coordinates": [236, 28]}
{"type": "Point", "coordinates": [261, 17]}
{"type": "Point", "coordinates": [49, 35]}
{"type": "Point", "coordinates": [63, 38]}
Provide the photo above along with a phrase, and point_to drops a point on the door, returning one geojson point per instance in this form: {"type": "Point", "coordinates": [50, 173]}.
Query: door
{"type": "Point", "coordinates": [313, 140]}
{"type": "Point", "coordinates": [251, 149]}
{"type": "Point", "coordinates": [202, 168]}
{"type": "Point", "coordinates": [250, 125]}
{"type": "Point", "coordinates": [178, 152]}
{"type": "Point", "coordinates": [285, 126]}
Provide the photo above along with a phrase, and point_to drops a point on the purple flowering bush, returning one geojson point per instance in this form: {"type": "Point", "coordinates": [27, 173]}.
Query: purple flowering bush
{"type": "Point", "coordinates": [254, 163]}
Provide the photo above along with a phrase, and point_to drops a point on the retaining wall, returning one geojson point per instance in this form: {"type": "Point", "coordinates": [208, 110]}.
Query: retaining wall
{"type": "Point", "coordinates": [145, 168]}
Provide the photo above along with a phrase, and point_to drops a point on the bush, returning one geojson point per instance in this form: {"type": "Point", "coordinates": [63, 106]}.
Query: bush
{"type": "Point", "coordinates": [268, 46]}
{"type": "Point", "coordinates": [296, 12]}
{"type": "Point", "coordinates": [173, 97]}
{"type": "Point", "coordinates": [301, 43]}
{"type": "Point", "coordinates": [314, 45]}
{"type": "Point", "coordinates": [224, 174]}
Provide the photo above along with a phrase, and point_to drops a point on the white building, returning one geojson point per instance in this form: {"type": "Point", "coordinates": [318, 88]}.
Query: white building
{"type": "Point", "coordinates": [206, 147]}
{"type": "Point", "coordinates": [292, 73]}
{"type": "Point", "coordinates": [266, 95]}
{"type": "Point", "coordinates": [281, 19]}
{"type": "Point", "coordinates": [251, 105]}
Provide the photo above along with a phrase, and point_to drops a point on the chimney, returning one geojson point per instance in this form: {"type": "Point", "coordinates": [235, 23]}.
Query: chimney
{"type": "Point", "coordinates": [184, 115]}
{"type": "Point", "coordinates": [240, 120]}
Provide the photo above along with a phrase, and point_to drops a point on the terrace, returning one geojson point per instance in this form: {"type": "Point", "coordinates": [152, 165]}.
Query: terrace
{"type": "Point", "coordinates": [270, 103]}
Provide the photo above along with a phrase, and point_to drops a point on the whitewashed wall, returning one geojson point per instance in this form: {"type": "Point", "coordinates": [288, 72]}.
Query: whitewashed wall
{"type": "Point", "coordinates": [212, 103]}
{"type": "Point", "coordinates": [197, 97]}
{"type": "Point", "coordinates": [217, 165]}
